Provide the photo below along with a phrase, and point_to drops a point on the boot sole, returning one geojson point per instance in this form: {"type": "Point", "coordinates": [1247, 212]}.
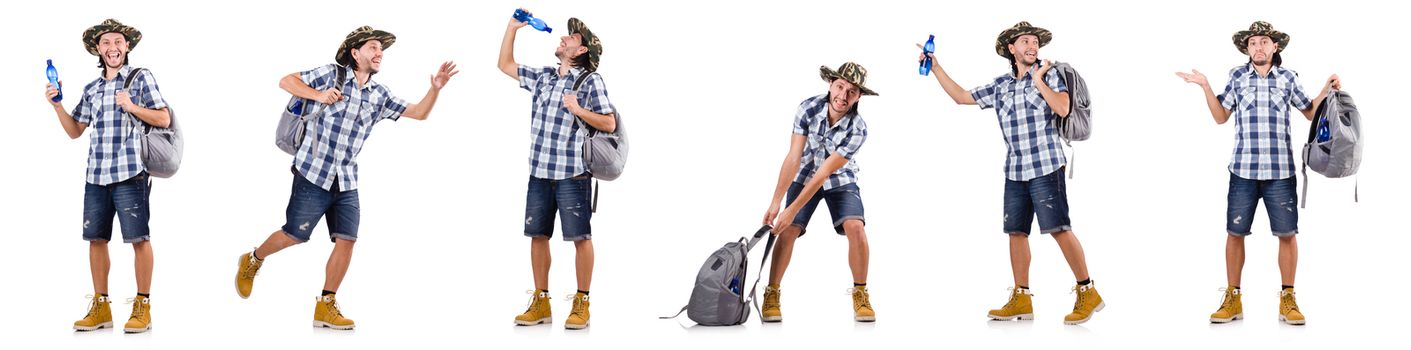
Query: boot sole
{"type": "Point", "coordinates": [534, 322]}
{"type": "Point", "coordinates": [1090, 316]}
{"type": "Point", "coordinates": [137, 330]}
{"type": "Point", "coordinates": [321, 324]}
{"type": "Point", "coordinates": [108, 324]}
{"type": "Point", "coordinates": [1291, 322]}
{"type": "Point", "coordinates": [1236, 317]}
{"type": "Point", "coordinates": [1021, 317]}
{"type": "Point", "coordinates": [772, 319]}
{"type": "Point", "coordinates": [575, 326]}
{"type": "Point", "coordinates": [865, 318]}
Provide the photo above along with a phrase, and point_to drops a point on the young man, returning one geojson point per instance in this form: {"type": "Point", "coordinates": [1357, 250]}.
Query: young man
{"type": "Point", "coordinates": [828, 132]}
{"type": "Point", "coordinates": [117, 180]}
{"type": "Point", "coordinates": [1257, 97]}
{"type": "Point", "coordinates": [565, 98]}
{"type": "Point", "coordinates": [325, 169]}
{"type": "Point", "coordinates": [1029, 100]}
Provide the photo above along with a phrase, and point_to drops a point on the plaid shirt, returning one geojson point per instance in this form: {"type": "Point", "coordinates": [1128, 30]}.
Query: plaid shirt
{"type": "Point", "coordinates": [1027, 123]}
{"type": "Point", "coordinates": [332, 141]}
{"type": "Point", "coordinates": [556, 140]}
{"type": "Point", "coordinates": [845, 138]}
{"type": "Point", "coordinates": [1260, 110]}
{"type": "Point", "coordinates": [115, 145]}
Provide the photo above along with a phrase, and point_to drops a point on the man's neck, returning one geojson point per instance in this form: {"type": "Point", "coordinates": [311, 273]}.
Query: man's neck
{"type": "Point", "coordinates": [1264, 69]}
{"type": "Point", "coordinates": [834, 116]}
{"type": "Point", "coordinates": [564, 67]}
{"type": "Point", "coordinates": [363, 76]}
{"type": "Point", "coordinates": [110, 73]}
{"type": "Point", "coordinates": [1023, 69]}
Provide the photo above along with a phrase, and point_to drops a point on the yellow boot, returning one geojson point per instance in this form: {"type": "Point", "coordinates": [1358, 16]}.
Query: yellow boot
{"type": "Point", "coordinates": [245, 274]}
{"type": "Point", "coordinates": [100, 315]}
{"type": "Point", "coordinates": [1288, 308]}
{"type": "Point", "coordinates": [861, 306]}
{"type": "Point", "coordinates": [326, 314]}
{"type": "Point", "coordinates": [538, 312]}
{"type": "Point", "coordinates": [1231, 308]}
{"type": "Point", "coordinates": [1087, 304]}
{"type": "Point", "coordinates": [141, 319]}
{"type": "Point", "coordinates": [1020, 306]}
{"type": "Point", "coordinates": [578, 318]}
{"type": "Point", "coordinates": [770, 311]}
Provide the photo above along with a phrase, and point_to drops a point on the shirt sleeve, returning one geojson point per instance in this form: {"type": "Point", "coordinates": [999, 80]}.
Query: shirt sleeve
{"type": "Point", "coordinates": [529, 77]}
{"type": "Point", "coordinates": [1054, 81]}
{"type": "Point", "coordinates": [801, 117]}
{"type": "Point", "coordinates": [145, 93]}
{"type": "Point", "coordinates": [1226, 100]}
{"type": "Point", "coordinates": [320, 78]}
{"type": "Point", "coordinates": [856, 137]}
{"type": "Point", "coordinates": [597, 95]}
{"type": "Point", "coordinates": [392, 106]}
{"type": "Point", "coordinates": [1298, 99]}
{"type": "Point", "coordinates": [83, 112]}
{"type": "Point", "coordinates": [984, 96]}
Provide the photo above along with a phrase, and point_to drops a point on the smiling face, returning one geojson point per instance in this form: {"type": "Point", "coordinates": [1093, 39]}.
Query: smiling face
{"type": "Point", "coordinates": [112, 49]}
{"type": "Point", "coordinates": [1260, 49]}
{"type": "Point", "coordinates": [1025, 49]}
{"type": "Point", "coordinates": [570, 46]}
{"type": "Point", "coordinates": [842, 96]}
{"type": "Point", "coordinates": [369, 56]}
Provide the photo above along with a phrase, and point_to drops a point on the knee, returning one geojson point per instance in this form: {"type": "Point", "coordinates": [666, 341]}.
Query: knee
{"type": "Point", "coordinates": [855, 230]}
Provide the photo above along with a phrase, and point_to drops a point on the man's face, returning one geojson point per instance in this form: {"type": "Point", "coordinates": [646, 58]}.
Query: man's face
{"type": "Point", "coordinates": [112, 47]}
{"type": "Point", "coordinates": [370, 56]}
{"type": "Point", "coordinates": [1261, 49]}
{"type": "Point", "coordinates": [1025, 49]}
{"type": "Point", "coordinates": [570, 46]}
{"type": "Point", "coordinates": [842, 95]}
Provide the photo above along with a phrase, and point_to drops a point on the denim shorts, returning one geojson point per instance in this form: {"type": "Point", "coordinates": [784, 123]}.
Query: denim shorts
{"type": "Point", "coordinates": [308, 202]}
{"type": "Point", "coordinates": [570, 198]}
{"type": "Point", "coordinates": [844, 203]}
{"type": "Point", "coordinates": [1045, 197]}
{"type": "Point", "coordinates": [1280, 201]}
{"type": "Point", "coordinates": [127, 198]}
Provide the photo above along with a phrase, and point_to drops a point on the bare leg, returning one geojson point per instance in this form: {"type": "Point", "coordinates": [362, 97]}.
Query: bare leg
{"type": "Point", "coordinates": [783, 251]}
{"type": "Point", "coordinates": [276, 242]}
{"type": "Point", "coordinates": [1073, 252]}
{"type": "Point", "coordinates": [1288, 258]}
{"type": "Point", "coordinates": [338, 262]}
{"type": "Point", "coordinates": [1234, 259]}
{"type": "Point", "coordinates": [1019, 257]}
{"type": "Point", "coordinates": [584, 263]}
{"type": "Point", "coordinates": [98, 265]}
{"type": "Point", "coordinates": [539, 259]}
{"type": "Point", "coordinates": [142, 256]}
{"type": "Point", "coordinates": [858, 252]}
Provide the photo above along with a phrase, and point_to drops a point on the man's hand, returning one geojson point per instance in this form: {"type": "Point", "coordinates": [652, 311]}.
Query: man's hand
{"type": "Point", "coordinates": [50, 91]}
{"type": "Point", "coordinates": [1043, 69]}
{"type": "Point", "coordinates": [442, 76]}
{"type": "Point", "coordinates": [516, 24]}
{"type": "Point", "coordinates": [1194, 77]}
{"type": "Point", "coordinates": [124, 101]}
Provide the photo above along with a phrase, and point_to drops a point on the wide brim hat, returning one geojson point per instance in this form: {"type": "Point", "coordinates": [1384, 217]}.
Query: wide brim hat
{"type": "Point", "coordinates": [590, 41]}
{"type": "Point", "coordinates": [1020, 29]}
{"type": "Point", "coordinates": [1260, 28]}
{"type": "Point", "coordinates": [850, 72]}
{"type": "Point", "coordinates": [359, 36]}
{"type": "Point", "coordinates": [90, 36]}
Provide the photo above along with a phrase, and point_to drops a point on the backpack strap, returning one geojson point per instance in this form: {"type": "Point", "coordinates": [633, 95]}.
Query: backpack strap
{"type": "Point", "coordinates": [1304, 203]}
{"type": "Point", "coordinates": [768, 247]}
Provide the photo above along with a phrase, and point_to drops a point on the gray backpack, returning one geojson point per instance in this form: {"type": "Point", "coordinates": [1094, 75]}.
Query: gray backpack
{"type": "Point", "coordinates": [1077, 126]}
{"type": "Point", "coordinates": [1334, 146]}
{"type": "Point", "coordinates": [297, 114]}
{"type": "Point", "coordinates": [718, 298]}
{"type": "Point", "coordinates": [162, 148]}
{"type": "Point", "coordinates": [605, 153]}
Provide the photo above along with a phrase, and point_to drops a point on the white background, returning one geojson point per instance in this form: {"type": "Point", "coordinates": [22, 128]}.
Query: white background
{"type": "Point", "coordinates": [708, 91]}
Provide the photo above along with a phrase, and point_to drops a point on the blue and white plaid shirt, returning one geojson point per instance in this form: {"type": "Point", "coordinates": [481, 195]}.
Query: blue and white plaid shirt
{"type": "Point", "coordinates": [332, 141]}
{"type": "Point", "coordinates": [115, 145]}
{"type": "Point", "coordinates": [556, 140]}
{"type": "Point", "coordinates": [1259, 106]}
{"type": "Point", "coordinates": [845, 138]}
{"type": "Point", "coordinates": [1027, 122]}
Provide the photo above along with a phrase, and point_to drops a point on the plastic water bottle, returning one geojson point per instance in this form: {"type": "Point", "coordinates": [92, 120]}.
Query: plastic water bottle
{"type": "Point", "coordinates": [735, 285]}
{"type": "Point", "coordinates": [54, 79]}
{"type": "Point", "coordinates": [930, 48]}
{"type": "Point", "coordinates": [1324, 134]}
{"type": "Point", "coordinates": [522, 16]}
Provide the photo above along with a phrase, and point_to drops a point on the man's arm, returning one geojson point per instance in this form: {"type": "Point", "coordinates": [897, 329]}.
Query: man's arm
{"type": "Point", "coordinates": [507, 64]}
{"type": "Point", "coordinates": [1057, 101]}
{"type": "Point", "coordinates": [834, 162]}
{"type": "Point", "coordinates": [296, 86]}
{"type": "Point", "coordinates": [1333, 83]}
{"type": "Point", "coordinates": [957, 93]}
{"type": "Point", "coordinates": [421, 110]}
{"type": "Point", "coordinates": [787, 171]}
{"type": "Point", "coordinates": [71, 127]}
{"type": "Point", "coordinates": [1217, 110]}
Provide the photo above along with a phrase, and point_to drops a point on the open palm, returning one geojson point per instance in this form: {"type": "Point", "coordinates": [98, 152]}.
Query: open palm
{"type": "Point", "coordinates": [443, 76]}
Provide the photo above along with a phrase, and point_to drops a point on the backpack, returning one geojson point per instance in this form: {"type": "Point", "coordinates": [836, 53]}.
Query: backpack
{"type": "Point", "coordinates": [294, 122]}
{"type": "Point", "coordinates": [1334, 146]}
{"type": "Point", "coordinates": [162, 148]}
{"type": "Point", "coordinates": [718, 298]}
{"type": "Point", "coordinates": [1077, 126]}
{"type": "Point", "coordinates": [605, 153]}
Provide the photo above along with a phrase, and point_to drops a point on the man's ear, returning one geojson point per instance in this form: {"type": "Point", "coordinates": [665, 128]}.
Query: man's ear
{"type": "Point", "coordinates": [582, 50]}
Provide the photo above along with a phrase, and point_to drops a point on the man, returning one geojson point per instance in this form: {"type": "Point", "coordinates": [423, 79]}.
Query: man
{"type": "Point", "coordinates": [828, 132]}
{"type": "Point", "coordinates": [117, 180]}
{"type": "Point", "coordinates": [558, 175]}
{"type": "Point", "coordinates": [1257, 97]}
{"type": "Point", "coordinates": [1028, 102]}
{"type": "Point", "coordinates": [325, 168]}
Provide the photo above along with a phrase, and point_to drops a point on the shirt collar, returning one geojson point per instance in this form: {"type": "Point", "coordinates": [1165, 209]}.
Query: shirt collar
{"type": "Point", "coordinates": [1253, 72]}
{"type": "Point", "coordinates": [845, 122]}
{"type": "Point", "coordinates": [350, 74]}
{"type": "Point", "coordinates": [122, 74]}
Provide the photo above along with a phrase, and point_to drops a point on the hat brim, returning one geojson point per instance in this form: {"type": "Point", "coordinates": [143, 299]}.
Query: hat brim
{"type": "Point", "coordinates": [594, 44]}
{"type": "Point", "coordinates": [829, 74]}
{"type": "Point", "coordinates": [1008, 35]}
{"type": "Point", "coordinates": [90, 36]}
{"type": "Point", "coordinates": [1241, 39]}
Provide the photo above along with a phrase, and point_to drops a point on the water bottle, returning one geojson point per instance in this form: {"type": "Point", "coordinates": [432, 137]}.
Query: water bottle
{"type": "Point", "coordinates": [1324, 134]}
{"type": "Point", "coordinates": [54, 79]}
{"type": "Point", "coordinates": [522, 16]}
{"type": "Point", "coordinates": [735, 285]}
{"type": "Point", "coordinates": [930, 48]}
